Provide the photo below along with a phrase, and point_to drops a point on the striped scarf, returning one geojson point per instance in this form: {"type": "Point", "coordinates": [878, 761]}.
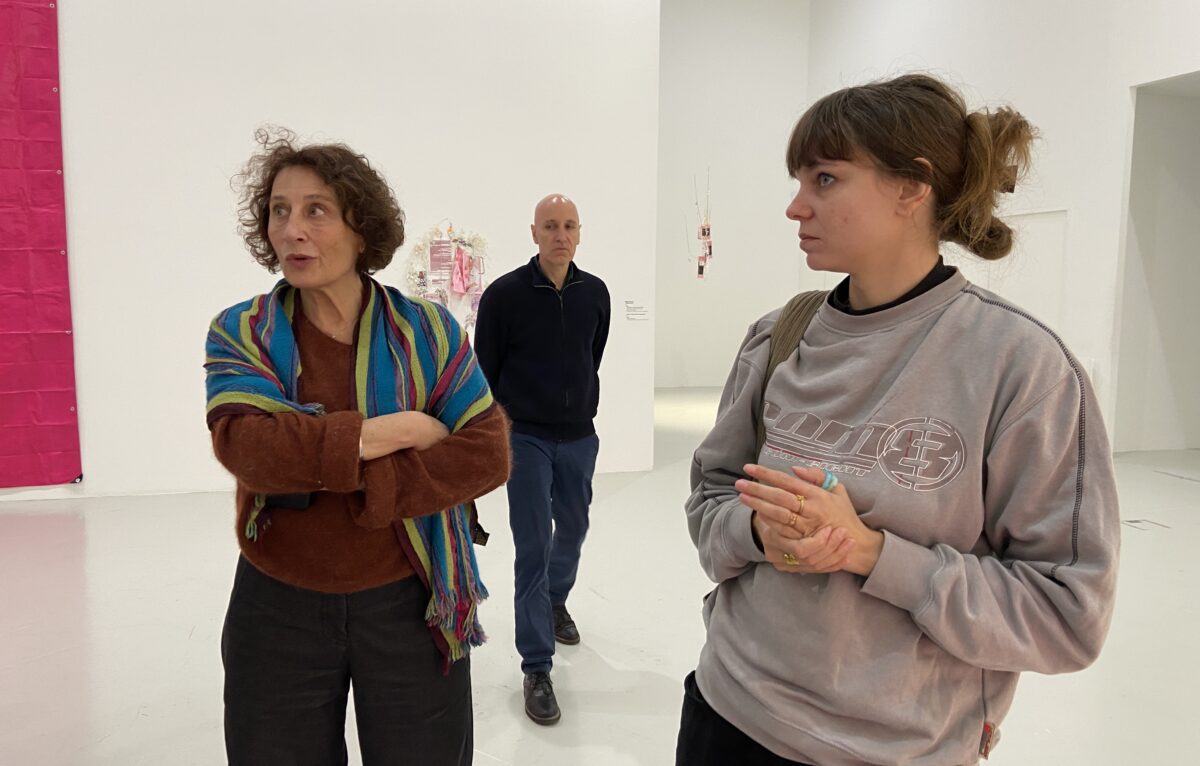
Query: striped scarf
{"type": "Point", "coordinates": [410, 355]}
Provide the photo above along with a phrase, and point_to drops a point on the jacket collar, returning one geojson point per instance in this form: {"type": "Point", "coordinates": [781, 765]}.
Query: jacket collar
{"type": "Point", "coordinates": [538, 277]}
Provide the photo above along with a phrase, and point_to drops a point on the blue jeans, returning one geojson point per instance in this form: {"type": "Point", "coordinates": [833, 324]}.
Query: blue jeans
{"type": "Point", "coordinates": [549, 492]}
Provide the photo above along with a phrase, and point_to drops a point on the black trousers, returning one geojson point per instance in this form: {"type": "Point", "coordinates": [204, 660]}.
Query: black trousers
{"type": "Point", "coordinates": [707, 739]}
{"type": "Point", "coordinates": [291, 655]}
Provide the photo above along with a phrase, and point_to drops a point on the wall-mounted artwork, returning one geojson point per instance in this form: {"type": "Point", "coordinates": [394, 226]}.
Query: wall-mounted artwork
{"type": "Point", "coordinates": [448, 266]}
{"type": "Point", "coordinates": [39, 425]}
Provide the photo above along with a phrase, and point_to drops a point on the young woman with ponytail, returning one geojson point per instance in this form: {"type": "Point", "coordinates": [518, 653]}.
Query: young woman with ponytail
{"type": "Point", "coordinates": [933, 510]}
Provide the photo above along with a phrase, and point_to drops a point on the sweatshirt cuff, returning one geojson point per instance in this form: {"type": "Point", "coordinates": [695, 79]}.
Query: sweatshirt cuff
{"type": "Point", "coordinates": [339, 451]}
{"type": "Point", "coordinates": [904, 573]}
{"type": "Point", "coordinates": [739, 536]}
{"type": "Point", "coordinates": [375, 507]}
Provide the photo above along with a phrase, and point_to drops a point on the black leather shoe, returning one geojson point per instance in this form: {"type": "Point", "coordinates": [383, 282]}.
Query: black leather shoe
{"type": "Point", "coordinates": [565, 631]}
{"type": "Point", "coordinates": [540, 704]}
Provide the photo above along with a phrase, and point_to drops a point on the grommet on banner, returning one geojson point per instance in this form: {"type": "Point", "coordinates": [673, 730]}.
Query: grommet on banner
{"type": "Point", "coordinates": [68, 332]}
{"type": "Point", "coordinates": [72, 409]}
{"type": "Point", "coordinates": [54, 89]}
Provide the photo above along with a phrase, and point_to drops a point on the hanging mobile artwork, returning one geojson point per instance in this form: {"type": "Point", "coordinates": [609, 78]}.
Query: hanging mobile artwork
{"type": "Point", "coordinates": [703, 228]}
{"type": "Point", "coordinates": [448, 267]}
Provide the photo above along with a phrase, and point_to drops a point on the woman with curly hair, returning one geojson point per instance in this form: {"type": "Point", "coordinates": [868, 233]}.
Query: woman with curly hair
{"type": "Point", "coordinates": [929, 508]}
{"type": "Point", "coordinates": [360, 430]}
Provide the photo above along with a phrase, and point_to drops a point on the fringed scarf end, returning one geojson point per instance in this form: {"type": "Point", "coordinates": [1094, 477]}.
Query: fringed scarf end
{"type": "Point", "coordinates": [260, 501]}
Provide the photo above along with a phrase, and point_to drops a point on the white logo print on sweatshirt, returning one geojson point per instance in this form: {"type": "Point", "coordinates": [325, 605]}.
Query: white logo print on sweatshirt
{"type": "Point", "coordinates": [921, 454]}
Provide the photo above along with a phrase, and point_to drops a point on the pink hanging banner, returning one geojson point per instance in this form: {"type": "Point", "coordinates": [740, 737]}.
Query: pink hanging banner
{"type": "Point", "coordinates": [39, 425]}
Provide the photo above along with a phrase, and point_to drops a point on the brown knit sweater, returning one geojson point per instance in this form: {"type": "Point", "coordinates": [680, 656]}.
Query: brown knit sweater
{"type": "Point", "coordinates": [340, 544]}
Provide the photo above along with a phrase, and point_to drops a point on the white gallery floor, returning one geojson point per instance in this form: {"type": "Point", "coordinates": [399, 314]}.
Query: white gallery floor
{"type": "Point", "coordinates": [111, 612]}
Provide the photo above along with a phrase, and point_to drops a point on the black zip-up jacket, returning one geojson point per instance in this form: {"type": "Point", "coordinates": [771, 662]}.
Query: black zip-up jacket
{"type": "Point", "coordinates": [540, 348]}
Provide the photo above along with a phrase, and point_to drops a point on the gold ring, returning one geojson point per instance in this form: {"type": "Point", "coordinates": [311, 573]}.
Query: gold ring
{"type": "Point", "coordinates": [800, 499]}
{"type": "Point", "coordinates": [793, 519]}
{"type": "Point", "coordinates": [791, 560]}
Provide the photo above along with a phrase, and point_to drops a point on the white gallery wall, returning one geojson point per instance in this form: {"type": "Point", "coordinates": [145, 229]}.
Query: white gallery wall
{"type": "Point", "coordinates": [733, 81]}
{"type": "Point", "coordinates": [1157, 403]}
{"type": "Point", "coordinates": [473, 110]}
{"type": "Point", "coordinates": [1070, 67]}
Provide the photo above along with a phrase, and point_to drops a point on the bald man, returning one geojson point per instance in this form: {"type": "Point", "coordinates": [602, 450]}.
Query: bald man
{"type": "Point", "coordinates": [539, 338]}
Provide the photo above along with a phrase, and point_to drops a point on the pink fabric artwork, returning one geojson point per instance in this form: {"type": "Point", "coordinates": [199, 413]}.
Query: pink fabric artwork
{"type": "Point", "coordinates": [39, 425]}
{"type": "Point", "coordinates": [460, 281]}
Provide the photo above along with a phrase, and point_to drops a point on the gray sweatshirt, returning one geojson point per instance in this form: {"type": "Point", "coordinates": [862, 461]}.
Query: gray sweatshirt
{"type": "Point", "coordinates": [965, 431]}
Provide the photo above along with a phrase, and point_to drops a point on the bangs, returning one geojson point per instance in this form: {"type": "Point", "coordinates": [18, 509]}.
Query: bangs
{"type": "Point", "coordinates": [823, 133]}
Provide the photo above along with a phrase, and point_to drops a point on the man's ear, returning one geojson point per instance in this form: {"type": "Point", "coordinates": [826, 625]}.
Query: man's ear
{"type": "Point", "coordinates": [533, 232]}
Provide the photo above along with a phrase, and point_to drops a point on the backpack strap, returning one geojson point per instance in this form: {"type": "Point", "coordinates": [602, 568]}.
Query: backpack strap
{"type": "Point", "coordinates": [785, 338]}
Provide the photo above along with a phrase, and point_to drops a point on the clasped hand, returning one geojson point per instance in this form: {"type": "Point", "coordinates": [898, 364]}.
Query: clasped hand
{"type": "Point", "coordinates": [806, 529]}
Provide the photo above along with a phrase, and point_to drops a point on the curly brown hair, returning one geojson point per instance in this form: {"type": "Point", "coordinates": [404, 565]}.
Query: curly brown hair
{"type": "Point", "coordinates": [970, 157]}
{"type": "Point", "coordinates": [368, 205]}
